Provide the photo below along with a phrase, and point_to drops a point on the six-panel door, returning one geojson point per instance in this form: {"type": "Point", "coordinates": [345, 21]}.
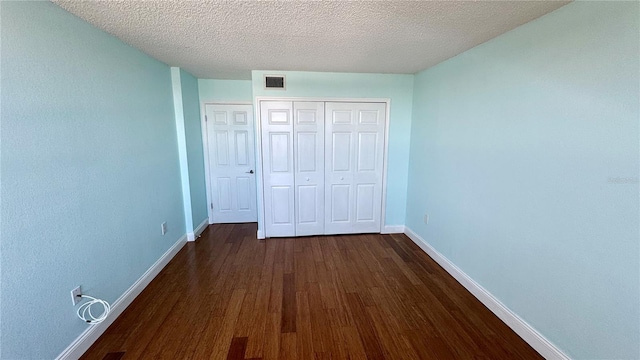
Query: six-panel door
{"type": "Point", "coordinates": [231, 163]}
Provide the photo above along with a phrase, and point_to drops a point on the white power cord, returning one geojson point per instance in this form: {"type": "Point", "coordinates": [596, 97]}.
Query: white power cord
{"type": "Point", "coordinates": [85, 314]}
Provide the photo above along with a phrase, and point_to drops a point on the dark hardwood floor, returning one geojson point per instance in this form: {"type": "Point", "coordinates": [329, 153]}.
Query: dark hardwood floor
{"type": "Point", "coordinates": [230, 296]}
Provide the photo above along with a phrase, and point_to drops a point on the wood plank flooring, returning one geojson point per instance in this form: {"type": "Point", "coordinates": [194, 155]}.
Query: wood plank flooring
{"type": "Point", "coordinates": [230, 296]}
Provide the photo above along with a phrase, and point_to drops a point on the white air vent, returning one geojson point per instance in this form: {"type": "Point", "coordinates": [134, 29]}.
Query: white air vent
{"type": "Point", "coordinates": [274, 82]}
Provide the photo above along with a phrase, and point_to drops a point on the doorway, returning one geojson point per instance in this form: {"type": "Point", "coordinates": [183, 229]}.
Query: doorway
{"type": "Point", "coordinates": [230, 160]}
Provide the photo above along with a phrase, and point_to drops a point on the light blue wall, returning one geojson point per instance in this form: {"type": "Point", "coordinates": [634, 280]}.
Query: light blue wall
{"type": "Point", "coordinates": [524, 152]}
{"type": "Point", "coordinates": [178, 111]}
{"type": "Point", "coordinates": [225, 90]}
{"type": "Point", "coordinates": [89, 171]}
{"type": "Point", "coordinates": [195, 155]}
{"type": "Point", "coordinates": [399, 88]}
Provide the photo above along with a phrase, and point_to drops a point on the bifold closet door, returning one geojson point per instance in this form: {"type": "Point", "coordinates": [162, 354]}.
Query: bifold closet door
{"type": "Point", "coordinates": [308, 129]}
{"type": "Point", "coordinates": [354, 155]}
{"type": "Point", "coordinates": [277, 167]}
{"type": "Point", "coordinates": [293, 167]}
{"type": "Point", "coordinates": [322, 167]}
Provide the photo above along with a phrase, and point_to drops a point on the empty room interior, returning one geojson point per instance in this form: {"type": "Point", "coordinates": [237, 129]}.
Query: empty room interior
{"type": "Point", "coordinates": [319, 179]}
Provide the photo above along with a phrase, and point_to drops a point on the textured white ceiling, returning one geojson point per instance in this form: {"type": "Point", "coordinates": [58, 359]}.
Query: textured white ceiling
{"type": "Point", "coordinates": [228, 39]}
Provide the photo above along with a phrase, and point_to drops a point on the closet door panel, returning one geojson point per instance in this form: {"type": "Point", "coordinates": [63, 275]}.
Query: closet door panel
{"type": "Point", "coordinates": [278, 167]}
{"type": "Point", "coordinates": [308, 129]}
{"type": "Point", "coordinates": [355, 144]}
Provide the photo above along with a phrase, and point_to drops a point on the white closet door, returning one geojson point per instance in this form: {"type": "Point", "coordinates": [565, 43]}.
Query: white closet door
{"type": "Point", "coordinates": [354, 150]}
{"type": "Point", "coordinates": [308, 130]}
{"type": "Point", "coordinates": [277, 167]}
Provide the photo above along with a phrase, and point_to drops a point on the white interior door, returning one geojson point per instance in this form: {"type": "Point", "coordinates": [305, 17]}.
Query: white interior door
{"type": "Point", "coordinates": [231, 163]}
{"type": "Point", "coordinates": [354, 151]}
{"type": "Point", "coordinates": [308, 137]}
{"type": "Point", "coordinates": [278, 167]}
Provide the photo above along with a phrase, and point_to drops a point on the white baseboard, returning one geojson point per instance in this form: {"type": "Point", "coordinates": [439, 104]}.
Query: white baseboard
{"type": "Point", "coordinates": [392, 229]}
{"type": "Point", "coordinates": [260, 235]}
{"type": "Point", "coordinates": [537, 341]}
{"type": "Point", "coordinates": [93, 332]}
{"type": "Point", "coordinates": [193, 235]}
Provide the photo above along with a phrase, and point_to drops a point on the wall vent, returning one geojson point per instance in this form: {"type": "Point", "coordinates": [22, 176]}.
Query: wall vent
{"type": "Point", "coordinates": [274, 82]}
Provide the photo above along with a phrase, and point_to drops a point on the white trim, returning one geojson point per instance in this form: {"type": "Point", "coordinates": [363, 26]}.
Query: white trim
{"type": "Point", "coordinates": [203, 225]}
{"type": "Point", "coordinates": [257, 124]}
{"type": "Point", "coordinates": [537, 341]}
{"type": "Point", "coordinates": [196, 233]}
{"type": "Point", "coordinates": [258, 135]}
{"type": "Point", "coordinates": [214, 102]}
{"type": "Point", "coordinates": [205, 149]}
{"type": "Point", "coordinates": [321, 99]}
{"type": "Point", "coordinates": [93, 332]}
{"type": "Point", "coordinates": [392, 229]}
{"type": "Point", "coordinates": [385, 160]}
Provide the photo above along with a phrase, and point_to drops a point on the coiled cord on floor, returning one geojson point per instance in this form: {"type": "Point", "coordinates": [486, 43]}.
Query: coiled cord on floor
{"type": "Point", "coordinates": [85, 314]}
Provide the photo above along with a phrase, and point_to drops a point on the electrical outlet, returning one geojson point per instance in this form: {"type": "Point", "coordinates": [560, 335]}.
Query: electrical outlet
{"type": "Point", "coordinates": [426, 218]}
{"type": "Point", "coordinates": [163, 227]}
{"type": "Point", "coordinates": [75, 295]}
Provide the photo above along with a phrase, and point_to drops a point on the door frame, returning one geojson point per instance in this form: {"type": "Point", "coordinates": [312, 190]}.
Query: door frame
{"type": "Point", "coordinates": [258, 138]}
{"type": "Point", "coordinates": [205, 149]}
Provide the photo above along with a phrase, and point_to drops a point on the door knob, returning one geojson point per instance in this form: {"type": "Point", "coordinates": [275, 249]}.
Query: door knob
{"type": "Point", "coordinates": [307, 179]}
{"type": "Point", "coordinates": [249, 172]}
{"type": "Point", "coordinates": [341, 177]}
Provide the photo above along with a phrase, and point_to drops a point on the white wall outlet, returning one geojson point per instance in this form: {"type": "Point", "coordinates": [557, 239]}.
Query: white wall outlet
{"type": "Point", "coordinates": [75, 295]}
{"type": "Point", "coordinates": [163, 227]}
{"type": "Point", "coordinates": [426, 218]}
